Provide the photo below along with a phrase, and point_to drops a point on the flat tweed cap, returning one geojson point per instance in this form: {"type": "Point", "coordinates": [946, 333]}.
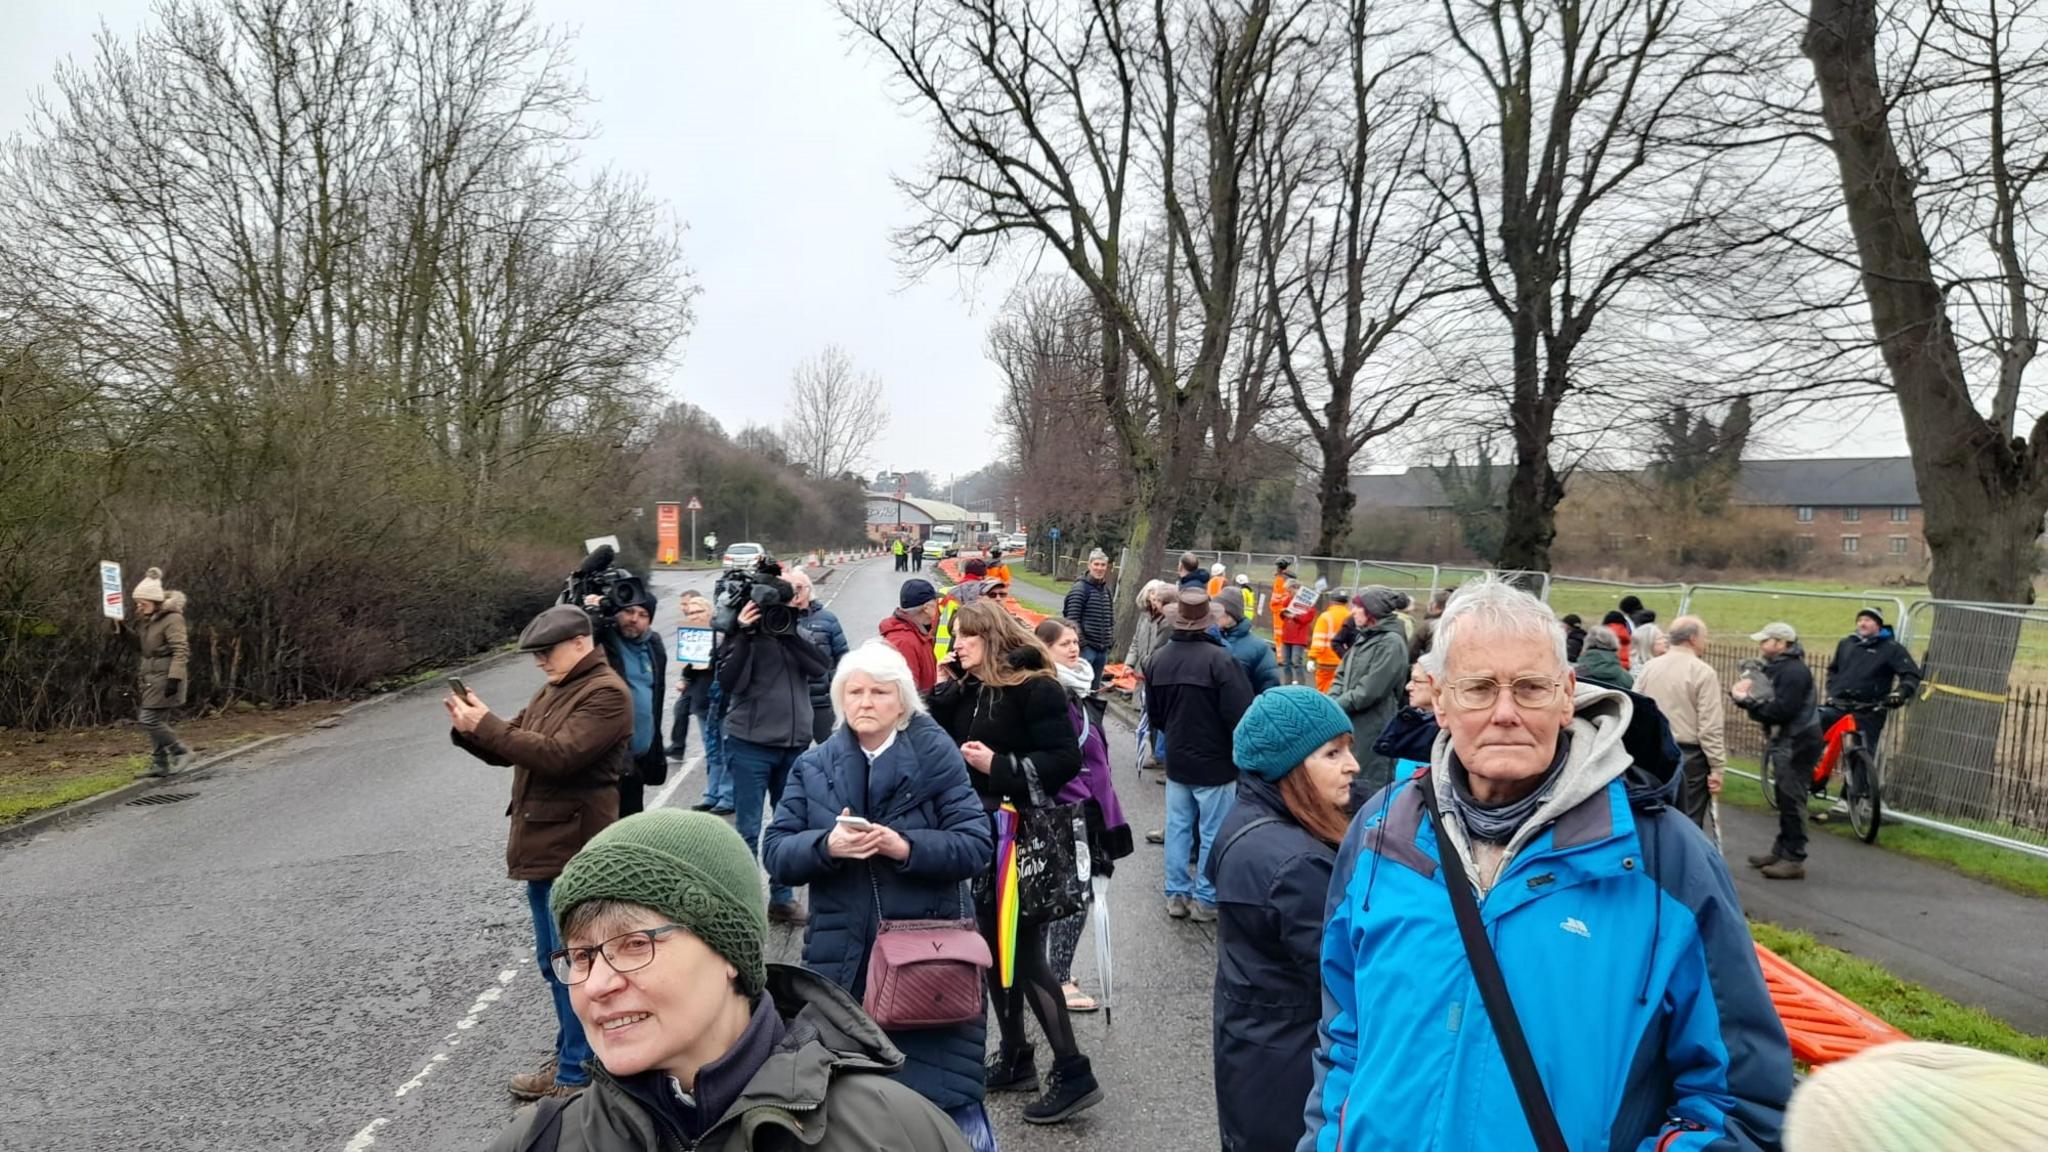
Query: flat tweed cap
{"type": "Point", "coordinates": [562, 622]}
{"type": "Point", "coordinates": [689, 866]}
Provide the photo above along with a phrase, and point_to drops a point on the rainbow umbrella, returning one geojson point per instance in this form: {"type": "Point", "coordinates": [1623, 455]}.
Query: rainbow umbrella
{"type": "Point", "coordinates": [1006, 893]}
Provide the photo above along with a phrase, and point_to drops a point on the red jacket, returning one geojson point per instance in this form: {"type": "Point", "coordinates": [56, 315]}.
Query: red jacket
{"type": "Point", "coordinates": [1297, 632]}
{"type": "Point", "coordinates": [911, 640]}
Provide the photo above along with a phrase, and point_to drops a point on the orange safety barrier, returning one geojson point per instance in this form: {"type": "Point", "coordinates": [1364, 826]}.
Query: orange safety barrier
{"type": "Point", "coordinates": [1824, 1025]}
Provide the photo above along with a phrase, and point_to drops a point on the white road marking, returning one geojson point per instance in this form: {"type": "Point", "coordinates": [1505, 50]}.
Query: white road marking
{"type": "Point", "coordinates": [676, 781]}
{"type": "Point", "coordinates": [362, 1141]}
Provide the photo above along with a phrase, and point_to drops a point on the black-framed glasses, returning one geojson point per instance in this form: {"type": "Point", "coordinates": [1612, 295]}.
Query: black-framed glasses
{"type": "Point", "coordinates": [1474, 693]}
{"type": "Point", "coordinates": [626, 952]}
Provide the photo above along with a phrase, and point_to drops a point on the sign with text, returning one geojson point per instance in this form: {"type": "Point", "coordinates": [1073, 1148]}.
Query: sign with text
{"type": "Point", "coordinates": [112, 604]}
{"type": "Point", "coordinates": [668, 533]}
{"type": "Point", "coordinates": [693, 646]}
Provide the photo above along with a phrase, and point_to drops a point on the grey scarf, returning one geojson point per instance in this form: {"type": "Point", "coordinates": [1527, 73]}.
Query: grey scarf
{"type": "Point", "coordinates": [1498, 825]}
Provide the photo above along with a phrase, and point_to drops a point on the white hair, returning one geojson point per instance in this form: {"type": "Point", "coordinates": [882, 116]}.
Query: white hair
{"type": "Point", "coordinates": [884, 665]}
{"type": "Point", "coordinates": [1492, 605]}
{"type": "Point", "coordinates": [1151, 592]}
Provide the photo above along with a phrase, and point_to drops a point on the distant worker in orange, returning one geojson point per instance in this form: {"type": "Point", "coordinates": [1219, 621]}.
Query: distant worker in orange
{"type": "Point", "coordinates": [1321, 645]}
{"type": "Point", "coordinates": [1277, 605]}
{"type": "Point", "coordinates": [997, 570]}
{"type": "Point", "coordinates": [1218, 577]}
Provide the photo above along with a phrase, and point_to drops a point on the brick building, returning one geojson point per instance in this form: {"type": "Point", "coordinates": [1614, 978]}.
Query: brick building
{"type": "Point", "coordinates": [1839, 514]}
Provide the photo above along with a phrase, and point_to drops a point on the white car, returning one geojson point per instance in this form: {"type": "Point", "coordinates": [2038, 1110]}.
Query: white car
{"type": "Point", "coordinates": [743, 555]}
{"type": "Point", "coordinates": [1015, 542]}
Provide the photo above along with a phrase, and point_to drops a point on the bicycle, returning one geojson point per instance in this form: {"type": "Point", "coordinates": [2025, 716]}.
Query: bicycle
{"type": "Point", "coordinates": [1845, 753]}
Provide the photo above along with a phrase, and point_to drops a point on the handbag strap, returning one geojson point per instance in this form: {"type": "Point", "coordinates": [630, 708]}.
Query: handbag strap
{"type": "Point", "coordinates": [875, 886]}
{"type": "Point", "coordinates": [1037, 790]}
{"type": "Point", "coordinates": [1217, 853]}
{"type": "Point", "coordinates": [1493, 986]}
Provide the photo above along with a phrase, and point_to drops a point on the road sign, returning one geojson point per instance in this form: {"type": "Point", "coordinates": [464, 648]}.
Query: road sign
{"type": "Point", "coordinates": [695, 505]}
{"type": "Point", "coordinates": [1053, 533]}
{"type": "Point", "coordinates": [112, 604]}
{"type": "Point", "coordinates": [668, 522]}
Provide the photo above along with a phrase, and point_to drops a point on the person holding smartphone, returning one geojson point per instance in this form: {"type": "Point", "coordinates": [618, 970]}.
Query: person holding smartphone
{"type": "Point", "coordinates": [881, 822]}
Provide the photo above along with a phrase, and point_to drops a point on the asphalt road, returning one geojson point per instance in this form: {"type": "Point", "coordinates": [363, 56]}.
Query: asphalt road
{"type": "Point", "coordinates": [319, 949]}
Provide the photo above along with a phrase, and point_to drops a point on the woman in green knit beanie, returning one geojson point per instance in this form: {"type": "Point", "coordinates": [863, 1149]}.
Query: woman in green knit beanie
{"type": "Point", "coordinates": [699, 1042]}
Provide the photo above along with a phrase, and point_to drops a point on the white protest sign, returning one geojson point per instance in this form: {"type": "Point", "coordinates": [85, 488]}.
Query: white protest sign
{"type": "Point", "coordinates": [112, 603]}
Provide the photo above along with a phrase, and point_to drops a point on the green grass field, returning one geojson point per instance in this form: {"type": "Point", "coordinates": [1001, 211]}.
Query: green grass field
{"type": "Point", "coordinates": [1823, 611]}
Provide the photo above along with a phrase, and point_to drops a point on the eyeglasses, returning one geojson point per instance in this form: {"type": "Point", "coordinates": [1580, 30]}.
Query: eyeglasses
{"type": "Point", "coordinates": [1477, 692]}
{"type": "Point", "coordinates": [626, 952]}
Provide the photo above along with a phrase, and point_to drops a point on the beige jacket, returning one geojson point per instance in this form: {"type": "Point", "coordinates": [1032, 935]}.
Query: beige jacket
{"type": "Point", "coordinates": [1691, 696]}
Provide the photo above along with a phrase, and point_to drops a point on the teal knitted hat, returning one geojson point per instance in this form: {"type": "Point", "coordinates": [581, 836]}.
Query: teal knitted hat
{"type": "Point", "coordinates": [689, 866]}
{"type": "Point", "coordinates": [1282, 727]}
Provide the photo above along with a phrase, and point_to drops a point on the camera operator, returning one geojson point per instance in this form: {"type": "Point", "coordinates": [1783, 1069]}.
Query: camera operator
{"type": "Point", "coordinates": [764, 673]}
{"type": "Point", "coordinates": [824, 631]}
{"type": "Point", "coordinates": [641, 660]}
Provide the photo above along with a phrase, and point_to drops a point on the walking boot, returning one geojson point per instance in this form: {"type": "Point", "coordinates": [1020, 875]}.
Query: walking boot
{"type": "Point", "coordinates": [159, 765]}
{"type": "Point", "coordinates": [1070, 1088]}
{"type": "Point", "coordinates": [1763, 861]}
{"type": "Point", "coordinates": [1786, 870]}
{"type": "Point", "coordinates": [181, 760]}
{"type": "Point", "coordinates": [534, 1085]}
{"type": "Point", "coordinates": [1011, 1071]}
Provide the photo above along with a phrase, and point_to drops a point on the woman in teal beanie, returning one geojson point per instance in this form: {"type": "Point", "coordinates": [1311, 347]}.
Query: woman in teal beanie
{"type": "Point", "coordinates": [1271, 868]}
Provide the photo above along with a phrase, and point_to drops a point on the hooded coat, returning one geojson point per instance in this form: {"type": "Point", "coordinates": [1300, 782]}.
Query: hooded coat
{"type": "Point", "coordinates": [1866, 669]}
{"type": "Point", "coordinates": [1253, 655]}
{"type": "Point", "coordinates": [913, 642]}
{"type": "Point", "coordinates": [1602, 666]}
{"type": "Point", "coordinates": [821, 627]}
{"type": "Point", "coordinates": [824, 1087]}
{"type": "Point", "coordinates": [1272, 879]}
{"type": "Point", "coordinates": [166, 656]}
{"type": "Point", "coordinates": [919, 787]}
{"type": "Point", "coordinates": [1625, 953]}
{"type": "Point", "coordinates": [1371, 686]}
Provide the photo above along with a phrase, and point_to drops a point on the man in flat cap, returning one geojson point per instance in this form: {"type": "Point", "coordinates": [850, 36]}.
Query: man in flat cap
{"type": "Point", "coordinates": [567, 750]}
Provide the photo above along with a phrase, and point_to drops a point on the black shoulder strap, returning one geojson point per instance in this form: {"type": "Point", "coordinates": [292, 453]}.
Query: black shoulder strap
{"type": "Point", "coordinates": [1493, 987]}
{"type": "Point", "coordinates": [545, 1134]}
{"type": "Point", "coordinates": [1216, 853]}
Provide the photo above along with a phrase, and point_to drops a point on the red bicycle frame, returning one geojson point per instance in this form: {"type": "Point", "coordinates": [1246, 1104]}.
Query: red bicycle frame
{"type": "Point", "coordinates": [1833, 753]}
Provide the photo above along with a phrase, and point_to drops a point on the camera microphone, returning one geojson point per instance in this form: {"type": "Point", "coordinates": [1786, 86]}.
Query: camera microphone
{"type": "Point", "coordinates": [597, 561]}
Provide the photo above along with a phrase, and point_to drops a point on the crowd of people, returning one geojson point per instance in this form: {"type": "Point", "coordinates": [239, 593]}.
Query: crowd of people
{"type": "Point", "coordinates": [1465, 816]}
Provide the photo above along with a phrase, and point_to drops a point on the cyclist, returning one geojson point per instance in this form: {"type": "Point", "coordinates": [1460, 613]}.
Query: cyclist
{"type": "Point", "coordinates": [1784, 704]}
{"type": "Point", "coordinates": [1869, 666]}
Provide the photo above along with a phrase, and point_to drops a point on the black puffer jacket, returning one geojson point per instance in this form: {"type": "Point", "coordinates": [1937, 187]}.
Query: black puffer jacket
{"type": "Point", "coordinates": [825, 633]}
{"type": "Point", "coordinates": [1093, 606]}
{"type": "Point", "coordinates": [1272, 883]}
{"type": "Point", "coordinates": [1026, 720]}
{"type": "Point", "coordinates": [1196, 693]}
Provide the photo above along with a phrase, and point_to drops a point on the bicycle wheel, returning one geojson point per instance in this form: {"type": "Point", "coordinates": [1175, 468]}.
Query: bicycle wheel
{"type": "Point", "coordinates": [1860, 791]}
{"type": "Point", "coordinates": [1767, 772]}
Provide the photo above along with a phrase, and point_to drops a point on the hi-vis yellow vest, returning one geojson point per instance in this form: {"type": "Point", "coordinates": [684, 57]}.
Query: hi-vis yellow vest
{"type": "Point", "coordinates": [942, 636]}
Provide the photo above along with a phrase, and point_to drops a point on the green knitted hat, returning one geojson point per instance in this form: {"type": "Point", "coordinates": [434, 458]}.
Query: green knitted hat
{"type": "Point", "coordinates": [689, 866]}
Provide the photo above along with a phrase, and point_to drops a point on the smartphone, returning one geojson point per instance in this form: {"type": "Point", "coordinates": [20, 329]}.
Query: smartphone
{"type": "Point", "coordinates": [853, 821]}
{"type": "Point", "coordinates": [456, 686]}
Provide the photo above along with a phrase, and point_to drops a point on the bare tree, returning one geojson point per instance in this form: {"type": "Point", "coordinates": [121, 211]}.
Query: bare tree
{"type": "Point", "coordinates": [835, 414]}
{"type": "Point", "coordinates": [1347, 250]}
{"type": "Point", "coordinates": [1579, 162]}
{"type": "Point", "coordinates": [1080, 128]}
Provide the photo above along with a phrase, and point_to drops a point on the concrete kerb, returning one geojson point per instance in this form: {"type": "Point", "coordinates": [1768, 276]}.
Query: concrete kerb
{"type": "Point", "coordinates": [47, 821]}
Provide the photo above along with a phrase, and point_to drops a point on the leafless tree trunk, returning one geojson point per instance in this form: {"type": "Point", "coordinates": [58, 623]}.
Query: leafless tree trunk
{"type": "Point", "coordinates": [1082, 128]}
{"type": "Point", "coordinates": [835, 414]}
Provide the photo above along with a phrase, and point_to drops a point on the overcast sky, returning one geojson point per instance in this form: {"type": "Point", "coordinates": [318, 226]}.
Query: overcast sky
{"type": "Point", "coordinates": [775, 137]}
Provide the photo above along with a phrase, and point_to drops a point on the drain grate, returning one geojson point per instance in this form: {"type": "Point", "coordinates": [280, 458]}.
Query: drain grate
{"type": "Point", "coordinates": [158, 799]}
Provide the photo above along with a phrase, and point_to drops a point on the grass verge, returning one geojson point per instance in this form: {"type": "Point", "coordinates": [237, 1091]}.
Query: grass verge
{"type": "Point", "coordinates": [2012, 871]}
{"type": "Point", "coordinates": [25, 796]}
{"type": "Point", "coordinates": [1041, 582]}
{"type": "Point", "coordinates": [1911, 1008]}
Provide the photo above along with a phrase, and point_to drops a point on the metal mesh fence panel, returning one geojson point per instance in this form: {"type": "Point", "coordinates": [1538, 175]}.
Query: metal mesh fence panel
{"type": "Point", "coordinates": [1590, 598]}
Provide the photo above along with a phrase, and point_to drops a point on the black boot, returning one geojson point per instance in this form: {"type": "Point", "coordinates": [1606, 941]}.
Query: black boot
{"type": "Point", "coordinates": [1069, 1088]}
{"type": "Point", "coordinates": [1011, 1071]}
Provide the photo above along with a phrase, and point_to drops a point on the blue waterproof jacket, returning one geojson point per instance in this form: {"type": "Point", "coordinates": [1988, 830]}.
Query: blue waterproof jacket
{"type": "Point", "coordinates": [1625, 952]}
{"type": "Point", "coordinates": [1252, 654]}
{"type": "Point", "coordinates": [919, 787]}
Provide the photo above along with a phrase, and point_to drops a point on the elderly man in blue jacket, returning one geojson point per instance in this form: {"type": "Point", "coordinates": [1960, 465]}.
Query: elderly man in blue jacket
{"type": "Point", "coordinates": [1624, 952]}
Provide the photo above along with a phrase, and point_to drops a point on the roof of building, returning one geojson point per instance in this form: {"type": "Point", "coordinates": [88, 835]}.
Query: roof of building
{"type": "Point", "coordinates": [940, 511]}
{"type": "Point", "coordinates": [1865, 481]}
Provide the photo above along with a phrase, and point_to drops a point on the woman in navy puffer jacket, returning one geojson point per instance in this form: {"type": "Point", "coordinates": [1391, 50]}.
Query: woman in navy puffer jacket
{"type": "Point", "coordinates": [1271, 867]}
{"type": "Point", "coordinates": [893, 765]}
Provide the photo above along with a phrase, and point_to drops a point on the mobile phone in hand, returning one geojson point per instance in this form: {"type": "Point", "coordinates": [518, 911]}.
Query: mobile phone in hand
{"type": "Point", "coordinates": [852, 821]}
{"type": "Point", "coordinates": [460, 689]}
